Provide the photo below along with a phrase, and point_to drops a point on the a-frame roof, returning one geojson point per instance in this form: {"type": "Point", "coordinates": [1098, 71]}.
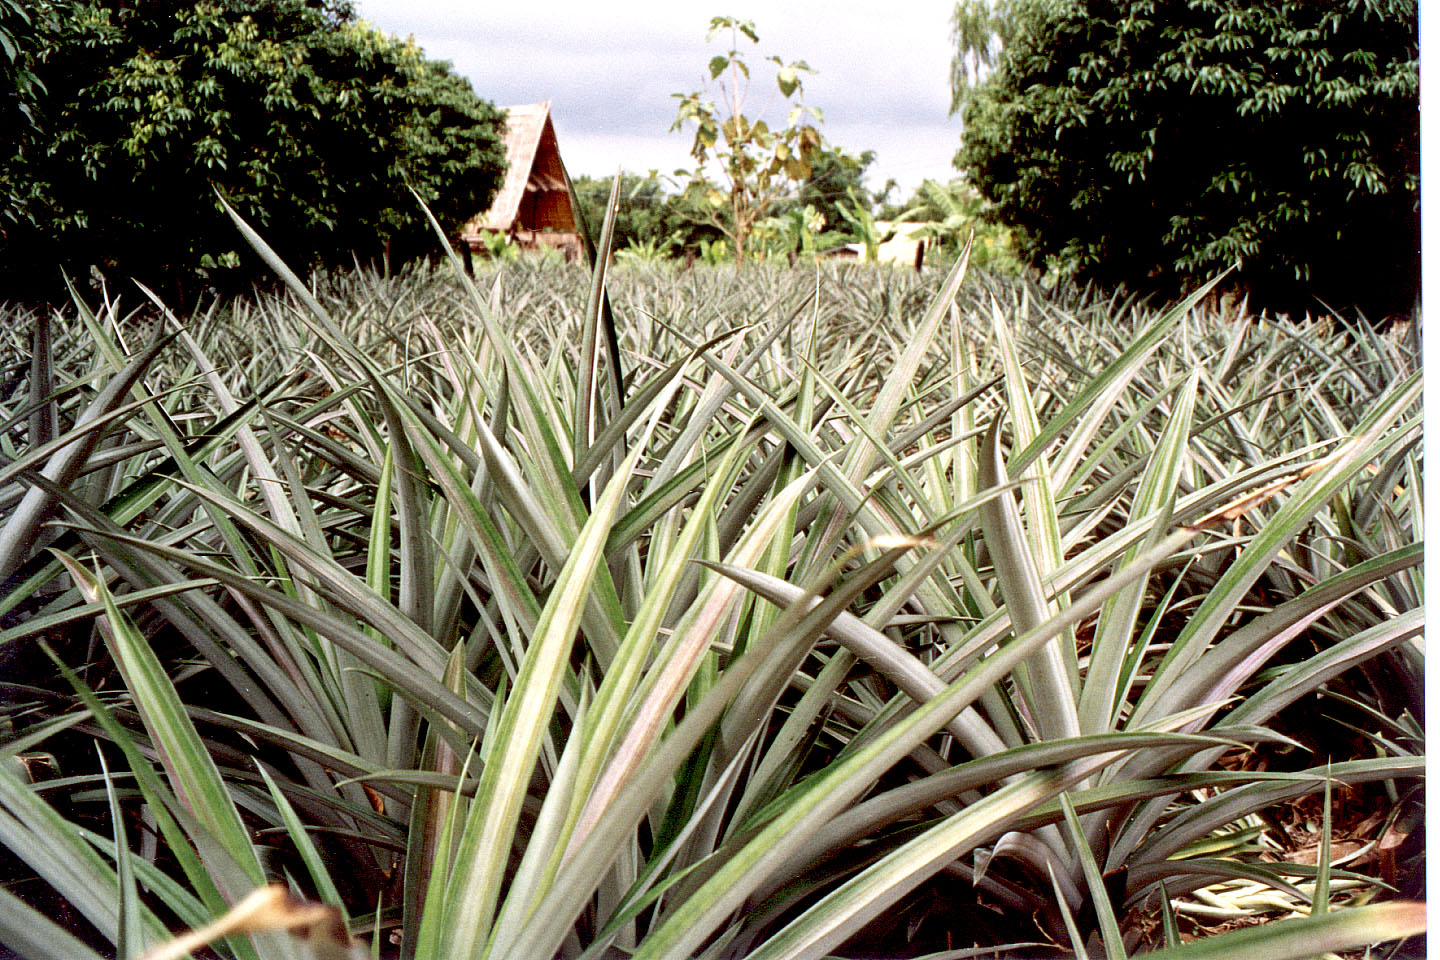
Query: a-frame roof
{"type": "Point", "coordinates": [533, 160]}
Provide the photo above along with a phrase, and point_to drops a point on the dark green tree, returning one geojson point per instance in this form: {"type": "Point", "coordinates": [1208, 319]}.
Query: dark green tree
{"type": "Point", "coordinates": [1153, 143]}
{"type": "Point", "coordinates": [20, 91]}
{"type": "Point", "coordinates": [836, 182]}
{"type": "Point", "coordinates": [643, 214]}
{"type": "Point", "coordinates": [314, 126]}
{"type": "Point", "coordinates": [646, 214]}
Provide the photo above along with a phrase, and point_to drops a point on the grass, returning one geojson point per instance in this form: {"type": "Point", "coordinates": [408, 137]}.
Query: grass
{"type": "Point", "coordinates": [850, 613]}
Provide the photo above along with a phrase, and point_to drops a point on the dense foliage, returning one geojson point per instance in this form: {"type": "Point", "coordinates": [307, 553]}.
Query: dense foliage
{"type": "Point", "coordinates": [1154, 143]}
{"type": "Point", "coordinates": [17, 78]}
{"type": "Point", "coordinates": [647, 216]}
{"type": "Point", "coordinates": [950, 215]}
{"type": "Point", "coordinates": [836, 185]}
{"type": "Point", "coordinates": [812, 216]}
{"type": "Point", "coordinates": [307, 120]}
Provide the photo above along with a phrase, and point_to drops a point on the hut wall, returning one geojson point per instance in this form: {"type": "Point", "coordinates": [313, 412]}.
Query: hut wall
{"type": "Point", "coordinates": [546, 210]}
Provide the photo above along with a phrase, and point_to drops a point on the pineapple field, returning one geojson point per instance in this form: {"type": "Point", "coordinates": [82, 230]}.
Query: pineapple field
{"type": "Point", "coordinates": [836, 611]}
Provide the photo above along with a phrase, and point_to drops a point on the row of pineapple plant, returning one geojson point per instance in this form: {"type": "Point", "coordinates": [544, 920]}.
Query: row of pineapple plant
{"type": "Point", "coordinates": [694, 614]}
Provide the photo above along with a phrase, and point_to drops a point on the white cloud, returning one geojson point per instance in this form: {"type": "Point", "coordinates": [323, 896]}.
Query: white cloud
{"type": "Point", "coordinates": [609, 70]}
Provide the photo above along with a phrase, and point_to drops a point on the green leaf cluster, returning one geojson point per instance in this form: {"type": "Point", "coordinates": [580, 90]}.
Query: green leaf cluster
{"type": "Point", "coordinates": [19, 86]}
{"type": "Point", "coordinates": [1152, 143]}
{"type": "Point", "coordinates": [309, 121]}
{"type": "Point", "coordinates": [647, 216]}
{"type": "Point", "coordinates": [836, 183]}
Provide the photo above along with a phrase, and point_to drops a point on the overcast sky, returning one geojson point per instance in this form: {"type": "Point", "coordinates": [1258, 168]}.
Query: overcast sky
{"type": "Point", "coordinates": [609, 69]}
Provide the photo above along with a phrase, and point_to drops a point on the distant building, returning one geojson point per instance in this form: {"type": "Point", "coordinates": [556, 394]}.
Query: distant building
{"type": "Point", "coordinates": [901, 247]}
{"type": "Point", "coordinates": [533, 205]}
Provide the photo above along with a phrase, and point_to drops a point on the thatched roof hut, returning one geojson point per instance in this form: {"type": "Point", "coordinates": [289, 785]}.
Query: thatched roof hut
{"type": "Point", "coordinates": [533, 205]}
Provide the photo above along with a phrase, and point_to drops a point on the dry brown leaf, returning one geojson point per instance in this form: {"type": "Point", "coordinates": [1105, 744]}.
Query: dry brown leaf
{"type": "Point", "coordinates": [271, 909]}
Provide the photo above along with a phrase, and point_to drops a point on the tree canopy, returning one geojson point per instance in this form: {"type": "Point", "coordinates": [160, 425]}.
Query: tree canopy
{"type": "Point", "coordinates": [1153, 143]}
{"type": "Point", "coordinates": [312, 124]}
